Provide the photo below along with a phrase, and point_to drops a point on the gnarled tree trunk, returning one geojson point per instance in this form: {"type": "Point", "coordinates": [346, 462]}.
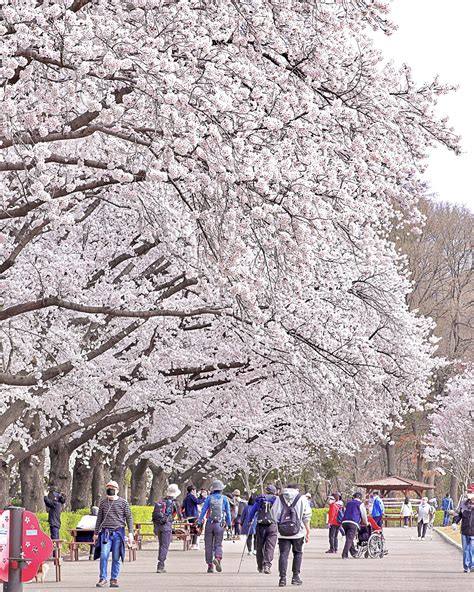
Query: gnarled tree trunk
{"type": "Point", "coordinates": [157, 484]}
{"type": "Point", "coordinates": [139, 479]}
{"type": "Point", "coordinates": [59, 474]}
{"type": "Point", "coordinates": [99, 479]}
{"type": "Point", "coordinates": [31, 470]}
{"type": "Point", "coordinates": [119, 467]}
{"type": "Point", "coordinates": [81, 495]}
{"type": "Point", "coordinates": [4, 484]}
{"type": "Point", "coordinates": [454, 489]}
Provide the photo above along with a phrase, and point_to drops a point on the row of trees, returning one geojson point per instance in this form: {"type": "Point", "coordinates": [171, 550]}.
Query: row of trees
{"type": "Point", "coordinates": [197, 271]}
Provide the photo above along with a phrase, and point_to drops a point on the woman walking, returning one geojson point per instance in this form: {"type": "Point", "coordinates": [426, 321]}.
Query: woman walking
{"type": "Point", "coordinates": [406, 511]}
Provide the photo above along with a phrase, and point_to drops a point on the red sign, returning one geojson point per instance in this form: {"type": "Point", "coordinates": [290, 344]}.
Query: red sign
{"type": "Point", "coordinates": [4, 544]}
{"type": "Point", "coordinates": [37, 546]}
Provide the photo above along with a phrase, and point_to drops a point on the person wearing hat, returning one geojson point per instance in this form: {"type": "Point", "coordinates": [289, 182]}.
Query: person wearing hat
{"type": "Point", "coordinates": [465, 515]}
{"type": "Point", "coordinates": [109, 535]}
{"type": "Point", "coordinates": [162, 517]}
{"type": "Point", "coordinates": [333, 521]}
{"type": "Point", "coordinates": [216, 509]}
{"type": "Point", "coordinates": [266, 535]}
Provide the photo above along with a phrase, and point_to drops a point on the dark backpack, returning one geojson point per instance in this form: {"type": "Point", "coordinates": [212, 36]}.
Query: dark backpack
{"type": "Point", "coordinates": [163, 512]}
{"type": "Point", "coordinates": [264, 514]}
{"type": "Point", "coordinates": [289, 523]}
{"type": "Point", "coordinates": [216, 509]}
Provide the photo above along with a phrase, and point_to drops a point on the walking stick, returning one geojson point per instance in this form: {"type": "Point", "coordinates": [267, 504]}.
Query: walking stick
{"type": "Point", "coordinates": [242, 556]}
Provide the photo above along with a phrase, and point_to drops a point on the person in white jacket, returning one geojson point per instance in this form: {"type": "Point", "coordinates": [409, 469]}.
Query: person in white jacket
{"type": "Point", "coordinates": [406, 511]}
{"type": "Point", "coordinates": [292, 513]}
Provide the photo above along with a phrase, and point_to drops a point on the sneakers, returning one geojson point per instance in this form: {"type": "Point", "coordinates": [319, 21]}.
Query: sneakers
{"type": "Point", "coordinates": [266, 569]}
{"type": "Point", "coordinates": [296, 581]}
{"type": "Point", "coordinates": [210, 568]}
{"type": "Point", "coordinates": [467, 571]}
{"type": "Point", "coordinates": [329, 551]}
{"type": "Point", "coordinates": [249, 553]}
{"type": "Point", "coordinates": [114, 584]}
{"type": "Point", "coordinates": [101, 583]}
{"type": "Point", "coordinates": [217, 563]}
{"type": "Point", "coordinates": [160, 569]}
{"type": "Point", "coordinates": [254, 552]}
{"type": "Point", "coordinates": [282, 582]}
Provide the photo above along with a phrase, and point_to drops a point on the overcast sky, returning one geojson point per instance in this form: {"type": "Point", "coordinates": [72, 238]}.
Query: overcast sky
{"type": "Point", "coordinates": [436, 37]}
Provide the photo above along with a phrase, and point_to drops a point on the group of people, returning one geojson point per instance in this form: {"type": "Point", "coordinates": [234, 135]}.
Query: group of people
{"type": "Point", "coordinates": [275, 517]}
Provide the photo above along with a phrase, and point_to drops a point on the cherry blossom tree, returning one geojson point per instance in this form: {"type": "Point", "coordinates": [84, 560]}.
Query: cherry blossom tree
{"type": "Point", "coordinates": [196, 207]}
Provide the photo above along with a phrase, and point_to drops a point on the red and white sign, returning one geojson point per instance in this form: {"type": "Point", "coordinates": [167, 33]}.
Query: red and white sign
{"type": "Point", "coordinates": [37, 547]}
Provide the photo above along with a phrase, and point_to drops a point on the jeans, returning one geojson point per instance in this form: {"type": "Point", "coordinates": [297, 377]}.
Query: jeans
{"type": "Point", "coordinates": [422, 527]}
{"type": "Point", "coordinates": [213, 537]}
{"type": "Point", "coordinates": [467, 551]}
{"type": "Point", "coordinates": [333, 531]}
{"type": "Point", "coordinates": [265, 539]}
{"type": "Point", "coordinates": [446, 518]}
{"type": "Point", "coordinates": [405, 520]}
{"type": "Point", "coordinates": [113, 544]}
{"type": "Point", "coordinates": [285, 546]}
{"type": "Point", "coordinates": [351, 533]}
{"type": "Point", "coordinates": [164, 533]}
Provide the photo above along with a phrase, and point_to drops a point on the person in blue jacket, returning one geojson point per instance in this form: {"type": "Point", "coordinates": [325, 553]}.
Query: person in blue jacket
{"type": "Point", "coordinates": [266, 530]}
{"type": "Point", "coordinates": [249, 526]}
{"type": "Point", "coordinates": [447, 505]}
{"type": "Point", "coordinates": [378, 509]}
{"type": "Point", "coordinates": [190, 511]}
{"type": "Point", "coordinates": [217, 510]}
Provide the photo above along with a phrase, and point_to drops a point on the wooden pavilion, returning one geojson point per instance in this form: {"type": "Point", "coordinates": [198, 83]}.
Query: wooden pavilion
{"type": "Point", "coordinates": [395, 483]}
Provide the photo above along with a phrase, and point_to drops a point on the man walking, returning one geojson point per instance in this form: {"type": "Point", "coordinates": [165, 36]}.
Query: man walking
{"type": "Point", "coordinates": [465, 515]}
{"type": "Point", "coordinates": [354, 515]}
{"type": "Point", "coordinates": [266, 535]}
{"type": "Point", "coordinates": [333, 518]}
{"type": "Point", "coordinates": [162, 517]}
{"type": "Point", "coordinates": [114, 513]}
{"type": "Point", "coordinates": [378, 509]}
{"type": "Point", "coordinates": [292, 514]}
{"type": "Point", "coordinates": [447, 505]}
{"type": "Point", "coordinates": [217, 510]}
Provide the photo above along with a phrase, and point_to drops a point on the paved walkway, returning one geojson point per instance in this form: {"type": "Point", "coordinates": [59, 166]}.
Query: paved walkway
{"type": "Point", "coordinates": [411, 565]}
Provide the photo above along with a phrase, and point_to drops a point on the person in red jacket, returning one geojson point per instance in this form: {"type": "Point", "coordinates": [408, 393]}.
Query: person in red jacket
{"type": "Point", "coordinates": [335, 506]}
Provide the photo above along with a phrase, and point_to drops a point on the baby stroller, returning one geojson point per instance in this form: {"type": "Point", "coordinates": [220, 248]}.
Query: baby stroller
{"type": "Point", "coordinates": [371, 542]}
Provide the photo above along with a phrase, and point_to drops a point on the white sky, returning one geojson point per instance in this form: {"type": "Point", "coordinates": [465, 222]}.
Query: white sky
{"type": "Point", "coordinates": [437, 37]}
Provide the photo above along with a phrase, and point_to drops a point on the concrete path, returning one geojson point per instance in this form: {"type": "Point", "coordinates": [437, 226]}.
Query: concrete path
{"type": "Point", "coordinates": [411, 565]}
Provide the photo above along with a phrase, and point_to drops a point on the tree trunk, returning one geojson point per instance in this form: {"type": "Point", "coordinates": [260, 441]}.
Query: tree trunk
{"type": "Point", "coordinates": [32, 484]}
{"type": "Point", "coordinates": [390, 458]}
{"type": "Point", "coordinates": [430, 473]}
{"type": "Point", "coordinates": [139, 479]}
{"type": "Point", "coordinates": [157, 484]}
{"type": "Point", "coordinates": [59, 473]}
{"type": "Point", "coordinates": [81, 495]}
{"type": "Point", "coordinates": [98, 482]}
{"type": "Point", "coordinates": [454, 489]}
{"type": "Point", "coordinates": [119, 468]}
{"type": "Point", "coordinates": [4, 484]}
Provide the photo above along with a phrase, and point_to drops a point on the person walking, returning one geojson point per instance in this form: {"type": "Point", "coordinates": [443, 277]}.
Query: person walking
{"type": "Point", "coordinates": [292, 514]}
{"type": "Point", "coordinates": [217, 509]}
{"type": "Point", "coordinates": [109, 536]}
{"type": "Point", "coordinates": [465, 515]}
{"type": "Point", "coordinates": [424, 515]}
{"type": "Point", "coordinates": [406, 511]}
{"type": "Point", "coordinates": [249, 527]}
{"type": "Point", "coordinates": [266, 532]}
{"type": "Point", "coordinates": [447, 505]}
{"type": "Point", "coordinates": [334, 521]}
{"type": "Point", "coordinates": [378, 509]}
{"type": "Point", "coordinates": [162, 517]}
{"type": "Point", "coordinates": [355, 516]}
{"type": "Point", "coordinates": [191, 505]}
{"type": "Point", "coordinates": [54, 502]}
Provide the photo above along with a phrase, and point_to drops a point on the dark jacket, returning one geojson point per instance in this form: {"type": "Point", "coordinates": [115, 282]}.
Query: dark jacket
{"type": "Point", "coordinates": [175, 511]}
{"type": "Point", "coordinates": [190, 505]}
{"type": "Point", "coordinates": [465, 515]}
{"type": "Point", "coordinates": [103, 537]}
{"type": "Point", "coordinates": [54, 507]}
{"type": "Point", "coordinates": [259, 501]}
{"type": "Point", "coordinates": [248, 526]}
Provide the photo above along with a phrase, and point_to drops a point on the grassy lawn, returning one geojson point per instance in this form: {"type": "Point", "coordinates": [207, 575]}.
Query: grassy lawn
{"type": "Point", "coordinates": [454, 535]}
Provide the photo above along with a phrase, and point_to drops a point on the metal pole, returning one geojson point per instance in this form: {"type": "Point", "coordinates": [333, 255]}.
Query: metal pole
{"type": "Point", "coordinates": [14, 583]}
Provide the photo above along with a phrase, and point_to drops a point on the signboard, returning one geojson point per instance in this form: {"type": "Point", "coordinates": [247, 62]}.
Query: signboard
{"type": "Point", "coordinates": [4, 544]}
{"type": "Point", "coordinates": [37, 546]}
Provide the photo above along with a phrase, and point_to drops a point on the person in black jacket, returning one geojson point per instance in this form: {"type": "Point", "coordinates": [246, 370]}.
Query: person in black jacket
{"type": "Point", "coordinates": [465, 515]}
{"type": "Point", "coordinates": [54, 502]}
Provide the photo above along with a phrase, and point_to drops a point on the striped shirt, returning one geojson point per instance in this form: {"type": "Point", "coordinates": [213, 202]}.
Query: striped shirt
{"type": "Point", "coordinates": [114, 514]}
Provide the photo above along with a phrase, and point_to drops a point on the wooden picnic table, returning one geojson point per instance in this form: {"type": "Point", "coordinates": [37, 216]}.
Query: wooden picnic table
{"type": "Point", "coordinates": [181, 530]}
{"type": "Point", "coordinates": [75, 543]}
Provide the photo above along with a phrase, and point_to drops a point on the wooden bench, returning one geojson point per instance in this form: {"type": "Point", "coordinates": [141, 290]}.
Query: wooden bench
{"type": "Point", "coordinates": [182, 531]}
{"type": "Point", "coordinates": [394, 518]}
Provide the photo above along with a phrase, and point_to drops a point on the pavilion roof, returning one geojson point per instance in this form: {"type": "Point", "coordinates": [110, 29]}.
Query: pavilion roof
{"type": "Point", "coordinates": [395, 483]}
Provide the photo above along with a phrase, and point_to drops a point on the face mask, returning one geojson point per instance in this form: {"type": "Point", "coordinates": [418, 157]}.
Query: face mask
{"type": "Point", "coordinates": [110, 492]}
